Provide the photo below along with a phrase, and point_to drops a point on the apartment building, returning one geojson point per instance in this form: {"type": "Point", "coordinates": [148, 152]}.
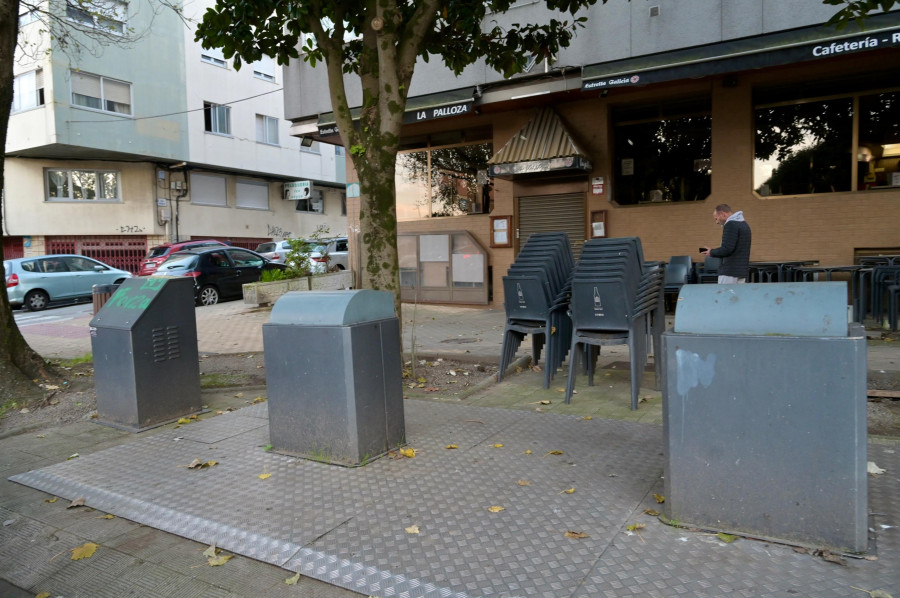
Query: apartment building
{"type": "Point", "coordinates": [659, 111]}
{"type": "Point", "coordinates": [121, 147]}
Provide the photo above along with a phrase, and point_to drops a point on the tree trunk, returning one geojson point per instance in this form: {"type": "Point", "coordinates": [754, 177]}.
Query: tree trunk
{"type": "Point", "coordinates": [20, 366]}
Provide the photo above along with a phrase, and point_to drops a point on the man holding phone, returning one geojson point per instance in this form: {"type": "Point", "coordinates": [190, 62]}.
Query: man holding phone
{"type": "Point", "coordinates": [735, 249]}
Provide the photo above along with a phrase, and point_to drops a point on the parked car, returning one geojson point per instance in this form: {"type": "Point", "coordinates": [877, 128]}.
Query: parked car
{"type": "Point", "coordinates": [158, 254]}
{"type": "Point", "coordinates": [218, 272]}
{"type": "Point", "coordinates": [35, 282]}
{"type": "Point", "coordinates": [274, 251]}
{"type": "Point", "coordinates": [329, 255]}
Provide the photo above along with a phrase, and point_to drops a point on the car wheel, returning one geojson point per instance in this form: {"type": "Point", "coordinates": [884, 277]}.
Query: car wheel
{"type": "Point", "coordinates": [36, 300]}
{"type": "Point", "coordinates": [208, 295]}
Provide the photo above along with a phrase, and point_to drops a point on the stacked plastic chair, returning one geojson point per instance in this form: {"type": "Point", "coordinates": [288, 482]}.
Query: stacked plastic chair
{"type": "Point", "coordinates": [616, 298]}
{"type": "Point", "coordinates": [536, 291]}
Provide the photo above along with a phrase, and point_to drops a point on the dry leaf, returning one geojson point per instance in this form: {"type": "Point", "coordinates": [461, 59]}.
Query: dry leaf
{"type": "Point", "coordinates": [51, 500]}
{"type": "Point", "coordinates": [874, 593]}
{"type": "Point", "coordinates": [727, 538]}
{"type": "Point", "coordinates": [200, 464]}
{"type": "Point", "coordinates": [587, 418]}
{"type": "Point", "coordinates": [219, 560]}
{"type": "Point", "coordinates": [183, 420]}
{"type": "Point", "coordinates": [554, 453]}
{"type": "Point", "coordinates": [72, 456]}
{"type": "Point", "coordinates": [576, 535]}
{"type": "Point", "coordinates": [239, 395]}
{"type": "Point", "coordinates": [408, 452]}
{"type": "Point", "coordinates": [84, 551]}
{"type": "Point", "coordinates": [264, 476]}
{"type": "Point", "coordinates": [568, 491]}
{"type": "Point", "coordinates": [545, 403]}
{"type": "Point", "coordinates": [496, 509]}
{"type": "Point", "coordinates": [412, 529]}
{"type": "Point", "coordinates": [528, 452]}
{"type": "Point", "coordinates": [451, 446]}
{"type": "Point", "coordinates": [43, 595]}
{"type": "Point", "coordinates": [560, 390]}
{"type": "Point", "coordinates": [660, 499]}
{"type": "Point", "coordinates": [211, 551]}
{"type": "Point", "coordinates": [78, 502]}
{"type": "Point", "coordinates": [524, 483]}
{"type": "Point", "coordinates": [498, 445]}
{"type": "Point", "coordinates": [292, 581]}
{"type": "Point", "coordinates": [258, 400]}
{"type": "Point", "coordinates": [421, 379]}
{"type": "Point", "coordinates": [635, 527]}
{"type": "Point", "coordinates": [108, 516]}
{"type": "Point", "coordinates": [651, 512]}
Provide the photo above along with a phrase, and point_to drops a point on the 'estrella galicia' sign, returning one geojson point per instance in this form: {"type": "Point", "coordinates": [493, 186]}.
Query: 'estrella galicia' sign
{"type": "Point", "coordinates": [416, 116]}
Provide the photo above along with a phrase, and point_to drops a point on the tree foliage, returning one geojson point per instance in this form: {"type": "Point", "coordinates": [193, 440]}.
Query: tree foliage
{"type": "Point", "coordinates": [856, 11]}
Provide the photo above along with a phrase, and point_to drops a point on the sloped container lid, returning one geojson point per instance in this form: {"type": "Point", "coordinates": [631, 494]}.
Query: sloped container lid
{"type": "Point", "coordinates": [763, 309]}
{"type": "Point", "coordinates": [332, 308]}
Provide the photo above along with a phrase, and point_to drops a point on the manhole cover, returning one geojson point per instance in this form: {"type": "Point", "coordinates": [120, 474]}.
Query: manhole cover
{"type": "Point", "coordinates": [460, 341]}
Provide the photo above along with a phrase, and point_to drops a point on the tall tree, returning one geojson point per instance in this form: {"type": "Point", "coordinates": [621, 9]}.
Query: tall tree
{"type": "Point", "coordinates": [75, 26]}
{"type": "Point", "coordinates": [380, 41]}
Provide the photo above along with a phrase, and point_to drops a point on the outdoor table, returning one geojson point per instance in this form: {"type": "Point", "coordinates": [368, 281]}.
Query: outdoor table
{"type": "Point", "coordinates": [880, 260]}
{"type": "Point", "coordinates": [780, 269]}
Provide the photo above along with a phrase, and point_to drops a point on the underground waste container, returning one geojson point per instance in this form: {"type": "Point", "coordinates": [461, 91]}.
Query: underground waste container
{"type": "Point", "coordinates": [144, 341]}
{"type": "Point", "coordinates": [333, 374]}
{"type": "Point", "coordinates": [764, 414]}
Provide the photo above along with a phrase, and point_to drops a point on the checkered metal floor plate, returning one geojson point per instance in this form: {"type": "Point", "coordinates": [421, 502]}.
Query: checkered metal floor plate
{"type": "Point", "coordinates": [348, 526]}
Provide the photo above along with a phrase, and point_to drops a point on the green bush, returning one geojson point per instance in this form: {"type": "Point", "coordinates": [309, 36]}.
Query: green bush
{"type": "Point", "coordinates": [272, 275]}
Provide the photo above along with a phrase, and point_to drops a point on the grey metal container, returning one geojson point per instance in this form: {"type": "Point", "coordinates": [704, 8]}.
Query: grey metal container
{"type": "Point", "coordinates": [333, 372]}
{"type": "Point", "coordinates": [765, 421]}
{"type": "Point", "coordinates": [144, 341]}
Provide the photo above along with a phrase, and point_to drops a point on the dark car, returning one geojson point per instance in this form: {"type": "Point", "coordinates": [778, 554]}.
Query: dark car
{"type": "Point", "coordinates": [218, 272]}
{"type": "Point", "coordinates": [158, 254]}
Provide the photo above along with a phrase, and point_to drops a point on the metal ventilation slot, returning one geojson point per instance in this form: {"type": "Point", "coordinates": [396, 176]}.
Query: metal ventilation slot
{"type": "Point", "coordinates": [166, 343]}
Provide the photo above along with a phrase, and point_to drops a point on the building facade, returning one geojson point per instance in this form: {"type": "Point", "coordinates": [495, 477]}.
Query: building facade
{"type": "Point", "coordinates": [658, 112]}
{"type": "Point", "coordinates": [121, 147]}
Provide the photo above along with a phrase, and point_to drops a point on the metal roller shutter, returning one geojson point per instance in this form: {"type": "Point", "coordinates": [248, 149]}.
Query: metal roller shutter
{"type": "Point", "coordinates": [553, 213]}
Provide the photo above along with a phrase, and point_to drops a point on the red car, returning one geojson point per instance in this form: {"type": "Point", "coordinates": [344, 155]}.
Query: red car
{"type": "Point", "coordinates": [158, 254]}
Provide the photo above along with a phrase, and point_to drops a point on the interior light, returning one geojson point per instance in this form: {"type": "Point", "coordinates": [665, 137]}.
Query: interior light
{"type": "Point", "coordinates": [891, 150]}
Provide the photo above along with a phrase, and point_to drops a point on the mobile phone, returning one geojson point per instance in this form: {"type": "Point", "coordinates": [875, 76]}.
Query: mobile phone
{"type": "Point", "coordinates": [702, 249]}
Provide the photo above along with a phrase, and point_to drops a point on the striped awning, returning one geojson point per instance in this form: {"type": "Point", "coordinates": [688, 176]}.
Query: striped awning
{"type": "Point", "coordinates": [542, 146]}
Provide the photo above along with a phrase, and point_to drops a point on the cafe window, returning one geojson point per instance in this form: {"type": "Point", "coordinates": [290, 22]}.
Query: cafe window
{"type": "Point", "coordinates": [807, 146]}
{"type": "Point", "coordinates": [662, 152]}
{"type": "Point", "coordinates": [439, 182]}
{"type": "Point", "coordinates": [448, 267]}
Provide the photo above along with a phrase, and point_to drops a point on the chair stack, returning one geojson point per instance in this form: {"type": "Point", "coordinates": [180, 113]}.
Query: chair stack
{"type": "Point", "coordinates": [709, 271]}
{"type": "Point", "coordinates": [613, 299]}
{"type": "Point", "coordinates": [678, 274]}
{"type": "Point", "coordinates": [536, 291]}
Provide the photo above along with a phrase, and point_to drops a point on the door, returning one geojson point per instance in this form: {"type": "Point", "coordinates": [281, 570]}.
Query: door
{"type": "Point", "coordinates": [247, 268]}
{"type": "Point", "coordinates": [55, 277]}
{"type": "Point", "coordinates": [85, 274]}
{"type": "Point", "coordinates": [550, 214]}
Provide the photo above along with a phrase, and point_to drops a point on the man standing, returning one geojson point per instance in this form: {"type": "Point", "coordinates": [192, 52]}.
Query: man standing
{"type": "Point", "coordinates": [735, 249]}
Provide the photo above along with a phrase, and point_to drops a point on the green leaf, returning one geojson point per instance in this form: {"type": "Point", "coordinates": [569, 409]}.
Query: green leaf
{"type": "Point", "coordinates": [727, 538]}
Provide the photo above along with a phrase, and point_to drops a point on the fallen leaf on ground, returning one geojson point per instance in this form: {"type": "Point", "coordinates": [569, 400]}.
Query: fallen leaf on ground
{"type": "Point", "coordinates": [412, 529]}
{"type": "Point", "coordinates": [43, 595]}
{"type": "Point", "coordinates": [78, 502]}
{"type": "Point", "coordinates": [727, 538]}
{"type": "Point", "coordinates": [183, 421]}
{"type": "Point", "coordinates": [264, 476]}
{"type": "Point", "coordinates": [874, 469]}
{"type": "Point", "coordinates": [432, 389]}
{"type": "Point", "coordinates": [72, 456]}
{"type": "Point", "coordinates": [201, 464]}
{"type": "Point", "coordinates": [651, 512]}
{"type": "Point", "coordinates": [51, 500]}
{"type": "Point", "coordinates": [874, 593]}
{"type": "Point", "coordinates": [546, 403]}
{"type": "Point", "coordinates": [219, 560]}
{"type": "Point", "coordinates": [660, 499]}
{"type": "Point", "coordinates": [635, 527]}
{"type": "Point", "coordinates": [498, 445]}
{"type": "Point", "coordinates": [292, 581]}
{"type": "Point", "coordinates": [408, 452]}
{"type": "Point", "coordinates": [587, 418]}
{"type": "Point", "coordinates": [524, 483]}
{"type": "Point", "coordinates": [211, 551]}
{"type": "Point", "coordinates": [568, 491]}
{"type": "Point", "coordinates": [496, 509]}
{"type": "Point", "coordinates": [108, 516]}
{"type": "Point", "coordinates": [84, 551]}
{"type": "Point", "coordinates": [239, 395]}
{"type": "Point", "coordinates": [421, 379]}
{"type": "Point", "coordinates": [258, 400]}
{"type": "Point", "coordinates": [554, 453]}
{"type": "Point", "coordinates": [451, 446]}
{"type": "Point", "coordinates": [576, 535]}
{"type": "Point", "coordinates": [560, 390]}
{"type": "Point", "coordinates": [528, 452]}
{"type": "Point", "coordinates": [830, 557]}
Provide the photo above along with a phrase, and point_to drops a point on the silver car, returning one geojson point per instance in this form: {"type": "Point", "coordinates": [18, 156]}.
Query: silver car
{"type": "Point", "coordinates": [35, 282]}
{"type": "Point", "coordinates": [274, 251]}
{"type": "Point", "coordinates": [329, 255]}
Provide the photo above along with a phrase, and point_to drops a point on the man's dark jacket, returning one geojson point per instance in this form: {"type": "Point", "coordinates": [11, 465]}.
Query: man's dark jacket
{"type": "Point", "coordinates": [735, 249]}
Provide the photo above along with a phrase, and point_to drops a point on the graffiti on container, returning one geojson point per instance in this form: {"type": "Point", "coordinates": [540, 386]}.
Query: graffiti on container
{"type": "Point", "coordinates": [136, 298]}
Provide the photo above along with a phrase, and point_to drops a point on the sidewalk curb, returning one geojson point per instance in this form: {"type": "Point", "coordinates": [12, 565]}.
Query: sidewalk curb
{"type": "Point", "coordinates": [492, 379]}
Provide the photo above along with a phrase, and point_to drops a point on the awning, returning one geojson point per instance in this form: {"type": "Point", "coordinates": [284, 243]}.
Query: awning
{"type": "Point", "coordinates": [418, 109]}
{"type": "Point", "coordinates": [775, 49]}
{"type": "Point", "coordinates": [542, 146]}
